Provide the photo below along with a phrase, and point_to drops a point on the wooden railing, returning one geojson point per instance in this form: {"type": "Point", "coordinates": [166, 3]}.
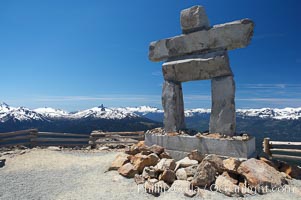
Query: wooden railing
{"type": "Point", "coordinates": [115, 137]}
{"type": "Point", "coordinates": [282, 150]}
{"type": "Point", "coordinates": [32, 138]}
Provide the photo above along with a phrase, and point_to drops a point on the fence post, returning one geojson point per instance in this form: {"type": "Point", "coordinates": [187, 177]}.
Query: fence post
{"type": "Point", "coordinates": [33, 135]}
{"type": "Point", "coordinates": [266, 146]}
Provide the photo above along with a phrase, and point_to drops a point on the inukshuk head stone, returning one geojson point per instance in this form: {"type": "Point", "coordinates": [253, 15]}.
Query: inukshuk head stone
{"type": "Point", "coordinates": [200, 53]}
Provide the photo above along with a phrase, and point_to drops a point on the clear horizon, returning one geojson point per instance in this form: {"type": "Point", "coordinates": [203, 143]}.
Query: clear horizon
{"type": "Point", "coordinates": [75, 55]}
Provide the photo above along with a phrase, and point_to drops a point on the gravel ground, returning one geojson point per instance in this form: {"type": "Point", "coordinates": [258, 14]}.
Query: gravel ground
{"type": "Point", "coordinates": [45, 174]}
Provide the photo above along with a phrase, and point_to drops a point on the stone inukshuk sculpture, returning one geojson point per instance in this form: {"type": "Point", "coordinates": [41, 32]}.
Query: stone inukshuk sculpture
{"type": "Point", "coordinates": [201, 53]}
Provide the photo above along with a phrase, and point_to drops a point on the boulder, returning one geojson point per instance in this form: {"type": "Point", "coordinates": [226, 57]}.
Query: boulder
{"type": "Point", "coordinates": [120, 160]}
{"type": "Point", "coordinates": [186, 162]}
{"type": "Point", "coordinates": [231, 164]}
{"type": "Point", "coordinates": [142, 161]}
{"type": "Point", "coordinates": [216, 161]}
{"type": "Point", "coordinates": [139, 179]}
{"type": "Point", "coordinates": [181, 174]}
{"type": "Point", "coordinates": [156, 149]}
{"type": "Point", "coordinates": [191, 170]}
{"type": "Point", "coordinates": [150, 172]}
{"type": "Point", "coordinates": [261, 175]}
{"type": "Point", "coordinates": [168, 176]}
{"type": "Point", "coordinates": [196, 155]}
{"type": "Point", "coordinates": [132, 150]}
{"type": "Point", "coordinates": [193, 19]}
{"type": "Point", "coordinates": [205, 174]}
{"type": "Point", "coordinates": [127, 170]}
{"type": "Point", "coordinates": [165, 155]}
{"type": "Point", "coordinates": [227, 185]}
{"type": "Point", "coordinates": [166, 164]}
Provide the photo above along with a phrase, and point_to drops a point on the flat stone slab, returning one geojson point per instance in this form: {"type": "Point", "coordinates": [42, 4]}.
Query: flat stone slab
{"type": "Point", "coordinates": [180, 146]}
{"type": "Point", "coordinates": [223, 115]}
{"type": "Point", "coordinates": [173, 105]}
{"type": "Point", "coordinates": [227, 36]}
{"type": "Point", "coordinates": [202, 67]}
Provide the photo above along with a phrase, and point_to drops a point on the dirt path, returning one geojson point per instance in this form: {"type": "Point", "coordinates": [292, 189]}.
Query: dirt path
{"type": "Point", "coordinates": [45, 174]}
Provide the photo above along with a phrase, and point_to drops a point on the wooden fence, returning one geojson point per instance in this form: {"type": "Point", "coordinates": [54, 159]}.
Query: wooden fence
{"type": "Point", "coordinates": [32, 138]}
{"type": "Point", "coordinates": [282, 150]}
{"type": "Point", "coordinates": [115, 137]}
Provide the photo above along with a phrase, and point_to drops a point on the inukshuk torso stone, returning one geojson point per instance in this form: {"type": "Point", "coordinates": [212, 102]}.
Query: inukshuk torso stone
{"type": "Point", "coordinates": [200, 53]}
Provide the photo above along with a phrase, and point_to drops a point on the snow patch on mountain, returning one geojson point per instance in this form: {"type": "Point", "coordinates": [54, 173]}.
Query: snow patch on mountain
{"type": "Point", "coordinates": [52, 113]}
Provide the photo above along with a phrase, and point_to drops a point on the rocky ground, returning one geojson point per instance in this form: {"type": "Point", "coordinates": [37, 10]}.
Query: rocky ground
{"type": "Point", "coordinates": [55, 174]}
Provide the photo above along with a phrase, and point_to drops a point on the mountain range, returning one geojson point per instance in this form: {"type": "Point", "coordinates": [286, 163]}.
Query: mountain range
{"type": "Point", "coordinates": [280, 124]}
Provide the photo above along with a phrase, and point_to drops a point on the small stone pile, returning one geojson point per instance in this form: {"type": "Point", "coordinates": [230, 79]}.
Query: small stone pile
{"type": "Point", "coordinates": [159, 172]}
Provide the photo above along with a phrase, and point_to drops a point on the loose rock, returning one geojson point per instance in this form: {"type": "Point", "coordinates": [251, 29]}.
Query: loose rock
{"type": "Point", "coordinates": [120, 160]}
{"type": "Point", "coordinates": [142, 161]}
{"type": "Point", "coordinates": [196, 155]}
{"type": "Point", "coordinates": [216, 161]}
{"type": "Point", "coordinates": [231, 164]}
{"type": "Point", "coordinates": [156, 149]}
{"type": "Point", "coordinates": [127, 170]}
{"type": "Point", "coordinates": [166, 164]}
{"type": "Point", "coordinates": [226, 185]}
{"type": "Point", "coordinates": [181, 174]}
{"type": "Point", "coordinates": [205, 174]}
{"type": "Point", "coordinates": [165, 155]}
{"type": "Point", "coordinates": [260, 175]}
{"type": "Point", "coordinates": [139, 179]}
{"type": "Point", "coordinates": [186, 162]}
{"type": "Point", "coordinates": [150, 172]}
{"type": "Point", "coordinates": [168, 176]}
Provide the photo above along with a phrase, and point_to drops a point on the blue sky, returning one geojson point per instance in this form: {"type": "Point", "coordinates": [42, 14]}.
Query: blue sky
{"type": "Point", "coordinates": [75, 54]}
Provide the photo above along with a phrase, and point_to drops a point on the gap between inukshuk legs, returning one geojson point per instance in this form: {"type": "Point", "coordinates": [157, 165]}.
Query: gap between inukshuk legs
{"type": "Point", "coordinates": [200, 53]}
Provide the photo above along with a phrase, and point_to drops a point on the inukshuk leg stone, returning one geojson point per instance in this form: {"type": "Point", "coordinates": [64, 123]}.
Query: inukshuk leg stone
{"type": "Point", "coordinates": [173, 105]}
{"type": "Point", "coordinates": [223, 118]}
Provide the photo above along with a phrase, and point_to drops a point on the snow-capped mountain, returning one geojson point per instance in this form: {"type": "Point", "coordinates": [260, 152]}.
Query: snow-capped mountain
{"type": "Point", "coordinates": [20, 113]}
{"type": "Point", "coordinates": [104, 113]}
{"type": "Point", "coordinates": [8, 113]}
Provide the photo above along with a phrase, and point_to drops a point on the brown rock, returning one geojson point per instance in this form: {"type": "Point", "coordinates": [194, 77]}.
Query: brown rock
{"type": "Point", "coordinates": [216, 161]}
{"type": "Point", "coordinates": [142, 161]}
{"type": "Point", "coordinates": [165, 155]}
{"type": "Point", "coordinates": [127, 170]}
{"type": "Point", "coordinates": [141, 144]}
{"type": "Point", "coordinates": [120, 160]}
{"type": "Point", "coordinates": [205, 174]}
{"type": "Point", "coordinates": [132, 150]}
{"type": "Point", "coordinates": [168, 176]}
{"type": "Point", "coordinates": [227, 185]}
{"type": "Point", "coordinates": [156, 149]}
{"type": "Point", "coordinates": [166, 164]}
{"type": "Point", "coordinates": [260, 175]}
{"type": "Point", "coordinates": [150, 172]}
{"type": "Point", "coordinates": [196, 155]}
{"type": "Point", "coordinates": [139, 179]}
{"type": "Point", "coordinates": [231, 164]}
